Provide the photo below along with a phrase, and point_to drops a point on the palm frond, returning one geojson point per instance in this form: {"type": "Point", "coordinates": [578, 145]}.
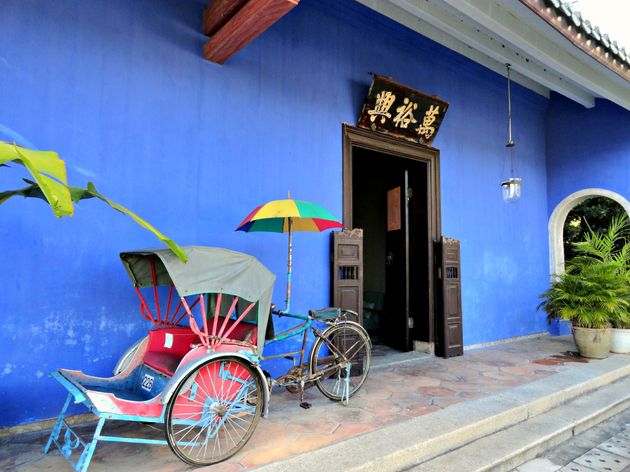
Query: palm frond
{"type": "Point", "coordinates": [594, 291]}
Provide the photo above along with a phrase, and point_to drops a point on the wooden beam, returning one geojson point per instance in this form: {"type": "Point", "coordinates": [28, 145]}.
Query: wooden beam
{"type": "Point", "coordinates": [218, 13]}
{"type": "Point", "coordinates": [248, 23]}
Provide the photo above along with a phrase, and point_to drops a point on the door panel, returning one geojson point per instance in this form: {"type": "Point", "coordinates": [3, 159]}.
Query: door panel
{"type": "Point", "coordinates": [450, 327]}
{"type": "Point", "coordinates": [397, 261]}
{"type": "Point", "coordinates": [347, 270]}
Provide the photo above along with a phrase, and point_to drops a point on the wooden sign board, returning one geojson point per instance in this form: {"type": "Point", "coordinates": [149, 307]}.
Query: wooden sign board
{"type": "Point", "coordinates": [401, 111]}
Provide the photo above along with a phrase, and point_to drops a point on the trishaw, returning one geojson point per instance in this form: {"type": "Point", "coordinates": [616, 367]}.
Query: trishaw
{"type": "Point", "coordinates": [202, 379]}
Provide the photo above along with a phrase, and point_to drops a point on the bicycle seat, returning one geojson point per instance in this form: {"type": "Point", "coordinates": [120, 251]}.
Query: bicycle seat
{"type": "Point", "coordinates": [325, 314]}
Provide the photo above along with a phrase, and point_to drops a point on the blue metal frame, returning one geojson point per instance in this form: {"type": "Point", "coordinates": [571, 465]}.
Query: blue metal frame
{"type": "Point", "coordinates": [301, 329]}
{"type": "Point", "coordinates": [323, 316]}
{"type": "Point", "coordinates": [68, 441]}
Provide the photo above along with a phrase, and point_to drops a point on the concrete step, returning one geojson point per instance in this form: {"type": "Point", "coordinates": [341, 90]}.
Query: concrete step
{"type": "Point", "coordinates": [507, 449]}
{"type": "Point", "coordinates": [392, 359]}
{"type": "Point", "coordinates": [419, 440]}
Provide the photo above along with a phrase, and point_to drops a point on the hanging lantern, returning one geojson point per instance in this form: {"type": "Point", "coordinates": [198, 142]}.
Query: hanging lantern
{"type": "Point", "coordinates": [511, 188]}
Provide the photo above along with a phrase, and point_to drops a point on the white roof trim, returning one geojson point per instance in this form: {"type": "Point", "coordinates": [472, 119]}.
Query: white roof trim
{"type": "Point", "coordinates": [492, 34]}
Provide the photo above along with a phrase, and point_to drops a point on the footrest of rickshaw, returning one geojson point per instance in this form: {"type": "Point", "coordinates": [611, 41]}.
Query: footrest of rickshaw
{"type": "Point", "coordinates": [134, 395]}
{"type": "Point", "coordinates": [74, 388]}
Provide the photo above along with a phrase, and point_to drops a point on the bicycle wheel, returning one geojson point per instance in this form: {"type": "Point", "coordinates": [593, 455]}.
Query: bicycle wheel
{"type": "Point", "coordinates": [214, 411]}
{"type": "Point", "coordinates": [343, 343]}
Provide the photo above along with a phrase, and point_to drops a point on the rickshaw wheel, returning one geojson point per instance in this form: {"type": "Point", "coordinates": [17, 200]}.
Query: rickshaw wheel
{"type": "Point", "coordinates": [214, 411]}
{"type": "Point", "coordinates": [353, 342]}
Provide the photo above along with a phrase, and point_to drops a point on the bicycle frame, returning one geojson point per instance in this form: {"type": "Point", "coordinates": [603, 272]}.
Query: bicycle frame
{"type": "Point", "coordinates": [301, 329]}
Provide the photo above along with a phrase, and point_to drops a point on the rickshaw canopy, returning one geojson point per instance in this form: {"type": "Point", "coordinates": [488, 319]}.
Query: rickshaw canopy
{"type": "Point", "coordinates": [208, 270]}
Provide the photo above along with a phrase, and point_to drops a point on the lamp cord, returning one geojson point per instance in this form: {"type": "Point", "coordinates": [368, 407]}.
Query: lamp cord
{"type": "Point", "coordinates": [510, 143]}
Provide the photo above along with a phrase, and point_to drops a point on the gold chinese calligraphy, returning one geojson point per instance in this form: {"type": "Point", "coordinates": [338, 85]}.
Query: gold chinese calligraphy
{"type": "Point", "coordinates": [395, 109]}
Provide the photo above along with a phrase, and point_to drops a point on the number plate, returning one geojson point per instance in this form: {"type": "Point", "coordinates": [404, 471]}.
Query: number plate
{"type": "Point", "coordinates": [147, 382]}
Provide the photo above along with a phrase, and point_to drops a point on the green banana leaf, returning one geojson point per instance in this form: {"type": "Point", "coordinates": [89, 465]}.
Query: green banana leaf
{"type": "Point", "coordinates": [92, 192]}
{"type": "Point", "coordinates": [48, 170]}
{"type": "Point", "coordinates": [33, 190]}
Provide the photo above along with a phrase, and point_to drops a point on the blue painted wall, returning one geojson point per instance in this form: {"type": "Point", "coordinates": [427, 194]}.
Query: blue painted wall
{"type": "Point", "coordinates": [121, 91]}
{"type": "Point", "coordinates": [587, 148]}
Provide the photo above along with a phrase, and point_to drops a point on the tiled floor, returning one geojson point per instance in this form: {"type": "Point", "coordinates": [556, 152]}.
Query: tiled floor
{"type": "Point", "coordinates": [410, 387]}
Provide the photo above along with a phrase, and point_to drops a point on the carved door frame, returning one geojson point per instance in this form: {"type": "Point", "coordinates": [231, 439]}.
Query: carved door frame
{"type": "Point", "coordinates": [353, 137]}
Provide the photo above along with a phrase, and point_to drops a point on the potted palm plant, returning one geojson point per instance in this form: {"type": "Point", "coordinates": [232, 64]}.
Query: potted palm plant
{"type": "Point", "coordinates": [593, 291]}
{"type": "Point", "coordinates": [620, 334]}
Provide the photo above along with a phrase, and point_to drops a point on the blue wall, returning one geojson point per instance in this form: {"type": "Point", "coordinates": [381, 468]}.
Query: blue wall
{"type": "Point", "coordinates": [587, 148]}
{"type": "Point", "coordinates": [121, 91]}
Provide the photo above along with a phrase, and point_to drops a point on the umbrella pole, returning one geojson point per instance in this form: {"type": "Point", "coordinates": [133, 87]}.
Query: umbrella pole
{"type": "Point", "coordinates": [289, 266]}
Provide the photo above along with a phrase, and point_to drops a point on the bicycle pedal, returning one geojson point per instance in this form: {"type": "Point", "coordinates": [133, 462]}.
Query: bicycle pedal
{"type": "Point", "coordinates": [305, 405]}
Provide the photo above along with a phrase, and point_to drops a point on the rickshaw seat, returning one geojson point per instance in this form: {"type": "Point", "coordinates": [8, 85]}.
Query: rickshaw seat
{"type": "Point", "coordinates": [168, 346]}
{"type": "Point", "coordinates": [162, 362]}
{"type": "Point", "coordinates": [244, 331]}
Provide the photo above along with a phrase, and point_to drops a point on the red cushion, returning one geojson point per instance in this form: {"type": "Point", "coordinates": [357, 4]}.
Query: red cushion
{"type": "Point", "coordinates": [162, 362]}
{"type": "Point", "coordinates": [172, 340]}
{"type": "Point", "coordinates": [243, 332]}
{"type": "Point", "coordinates": [167, 347]}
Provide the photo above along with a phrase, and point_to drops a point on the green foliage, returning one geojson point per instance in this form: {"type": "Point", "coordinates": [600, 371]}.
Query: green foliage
{"type": "Point", "coordinates": [621, 320]}
{"type": "Point", "coordinates": [48, 170]}
{"type": "Point", "coordinates": [593, 214]}
{"type": "Point", "coordinates": [594, 291]}
{"type": "Point", "coordinates": [52, 186]}
{"type": "Point", "coordinates": [92, 192]}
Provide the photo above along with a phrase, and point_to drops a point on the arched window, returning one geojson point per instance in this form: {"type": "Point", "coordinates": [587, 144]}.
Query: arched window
{"type": "Point", "coordinates": [559, 216]}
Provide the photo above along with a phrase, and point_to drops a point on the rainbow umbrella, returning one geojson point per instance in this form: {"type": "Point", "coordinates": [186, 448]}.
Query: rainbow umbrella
{"type": "Point", "coordinates": [287, 216]}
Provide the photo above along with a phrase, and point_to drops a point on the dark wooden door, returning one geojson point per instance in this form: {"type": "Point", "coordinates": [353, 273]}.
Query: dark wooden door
{"type": "Point", "coordinates": [347, 280]}
{"type": "Point", "coordinates": [347, 270]}
{"type": "Point", "coordinates": [397, 261]}
{"type": "Point", "coordinates": [449, 314]}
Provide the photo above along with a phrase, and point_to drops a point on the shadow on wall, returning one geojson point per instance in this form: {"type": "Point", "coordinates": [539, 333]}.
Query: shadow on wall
{"type": "Point", "coordinates": [358, 92]}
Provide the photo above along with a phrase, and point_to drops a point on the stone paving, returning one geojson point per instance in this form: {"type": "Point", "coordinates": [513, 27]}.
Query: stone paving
{"type": "Point", "coordinates": [392, 394]}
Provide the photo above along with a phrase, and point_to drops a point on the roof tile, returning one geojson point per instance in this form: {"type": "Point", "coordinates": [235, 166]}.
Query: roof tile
{"type": "Point", "coordinates": [562, 16]}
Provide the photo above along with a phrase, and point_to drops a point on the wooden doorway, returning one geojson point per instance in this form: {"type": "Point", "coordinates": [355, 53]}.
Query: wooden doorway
{"type": "Point", "coordinates": [399, 247]}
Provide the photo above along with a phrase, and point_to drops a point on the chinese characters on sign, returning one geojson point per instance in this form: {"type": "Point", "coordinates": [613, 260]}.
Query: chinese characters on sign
{"type": "Point", "coordinates": [426, 129]}
{"type": "Point", "coordinates": [384, 102]}
{"type": "Point", "coordinates": [400, 111]}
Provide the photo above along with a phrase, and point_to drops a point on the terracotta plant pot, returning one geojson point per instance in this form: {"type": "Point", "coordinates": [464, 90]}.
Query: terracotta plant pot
{"type": "Point", "coordinates": [593, 343]}
{"type": "Point", "coordinates": [620, 341]}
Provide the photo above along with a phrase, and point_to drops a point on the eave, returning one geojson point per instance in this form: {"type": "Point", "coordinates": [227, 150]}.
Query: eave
{"type": "Point", "coordinates": [493, 33]}
{"type": "Point", "coordinates": [582, 34]}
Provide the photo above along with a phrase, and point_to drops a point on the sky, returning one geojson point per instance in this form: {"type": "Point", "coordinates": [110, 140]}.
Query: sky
{"type": "Point", "coordinates": [610, 15]}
